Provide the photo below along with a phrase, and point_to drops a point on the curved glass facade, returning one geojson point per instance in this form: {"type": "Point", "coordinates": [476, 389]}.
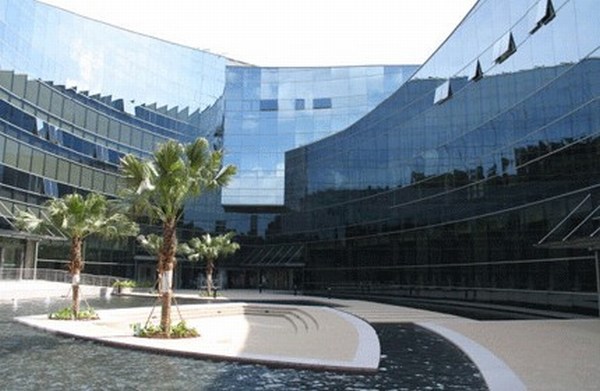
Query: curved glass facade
{"type": "Point", "coordinates": [449, 185]}
{"type": "Point", "coordinates": [76, 95]}
{"type": "Point", "coordinates": [272, 110]}
{"type": "Point", "coordinates": [48, 43]}
{"type": "Point", "coordinates": [455, 179]}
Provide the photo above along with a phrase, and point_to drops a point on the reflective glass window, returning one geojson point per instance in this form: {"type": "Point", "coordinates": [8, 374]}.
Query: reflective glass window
{"type": "Point", "coordinates": [86, 178]}
{"type": "Point", "coordinates": [24, 158]}
{"type": "Point", "coordinates": [43, 131]}
{"type": "Point", "coordinates": [50, 188]}
{"type": "Point", "coordinates": [37, 162]}
{"type": "Point", "coordinates": [113, 129]}
{"type": "Point", "coordinates": [68, 110]}
{"type": "Point", "coordinates": [443, 92]}
{"type": "Point", "coordinates": [2, 144]}
{"type": "Point", "coordinates": [10, 152]}
{"type": "Point", "coordinates": [475, 72]}
{"type": "Point", "coordinates": [91, 119]}
{"type": "Point", "coordinates": [75, 174]}
{"type": "Point", "coordinates": [504, 48]}
{"type": "Point", "coordinates": [31, 94]}
{"type": "Point", "coordinates": [79, 116]}
{"type": "Point", "coordinates": [543, 15]}
{"type": "Point", "coordinates": [54, 135]}
{"type": "Point", "coordinates": [50, 166]}
{"type": "Point", "coordinates": [102, 128]}
{"type": "Point", "coordinates": [98, 181]}
{"type": "Point", "coordinates": [321, 103]}
{"type": "Point", "coordinates": [62, 174]}
{"type": "Point", "coordinates": [101, 153]}
{"type": "Point", "coordinates": [148, 142]}
{"type": "Point", "coordinates": [110, 185]}
{"type": "Point", "coordinates": [268, 105]}
{"type": "Point", "coordinates": [56, 104]}
{"type": "Point", "coordinates": [39, 125]}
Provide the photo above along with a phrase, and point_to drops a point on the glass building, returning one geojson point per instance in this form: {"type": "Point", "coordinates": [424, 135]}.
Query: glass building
{"type": "Point", "coordinates": [77, 94]}
{"type": "Point", "coordinates": [474, 177]}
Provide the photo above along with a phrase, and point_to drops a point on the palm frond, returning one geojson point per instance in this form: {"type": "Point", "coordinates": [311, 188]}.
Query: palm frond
{"type": "Point", "coordinates": [28, 222]}
{"type": "Point", "coordinates": [73, 215]}
{"type": "Point", "coordinates": [151, 243]}
{"type": "Point", "coordinates": [197, 153]}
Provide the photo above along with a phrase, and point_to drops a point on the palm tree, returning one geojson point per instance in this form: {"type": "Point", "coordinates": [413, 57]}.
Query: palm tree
{"type": "Point", "coordinates": [210, 249]}
{"type": "Point", "coordinates": [77, 218]}
{"type": "Point", "coordinates": [160, 186]}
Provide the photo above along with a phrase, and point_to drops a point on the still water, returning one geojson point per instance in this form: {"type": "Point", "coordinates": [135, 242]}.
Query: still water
{"type": "Point", "coordinates": [412, 359]}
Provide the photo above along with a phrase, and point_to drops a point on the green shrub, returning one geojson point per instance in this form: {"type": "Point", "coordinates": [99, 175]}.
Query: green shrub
{"type": "Point", "coordinates": [124, 284]}
{"type": "Point", "coordinates": [204, 293]}
{"type": "Point", "coordinates": [67, 314]}
{"type": "Point", "coordinates": [180, 330]}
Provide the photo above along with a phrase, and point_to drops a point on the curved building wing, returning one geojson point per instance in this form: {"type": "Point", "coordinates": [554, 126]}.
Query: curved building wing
{"type": "Point", "coordinates": [454, 186]}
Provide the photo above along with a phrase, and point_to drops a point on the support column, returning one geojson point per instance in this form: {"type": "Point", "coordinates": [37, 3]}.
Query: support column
{"type": "Point", "coordinates": [21, 257]}
{"type": "Point", "coordinates": [597, 256]}
{"type": "Point", "coordinates": [31, 258]}
{"type": "Point", "coordinates": [2, 250]}
{"type": "Point", "coordinates": [35, 258]}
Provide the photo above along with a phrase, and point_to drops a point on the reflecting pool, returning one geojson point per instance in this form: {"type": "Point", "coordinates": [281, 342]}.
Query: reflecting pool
{"type": "Point", "coordinates": [412, 359]}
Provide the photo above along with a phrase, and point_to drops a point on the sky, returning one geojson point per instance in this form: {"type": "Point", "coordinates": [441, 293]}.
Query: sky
{"type": "Point", "coordinates": [289, 32]}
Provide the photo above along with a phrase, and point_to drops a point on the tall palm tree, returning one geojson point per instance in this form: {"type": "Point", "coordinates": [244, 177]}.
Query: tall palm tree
{"type": "Point", "coordinates": [160, 186]}
{"type": "Point", "coordinates": [77, 218]}
{"type": "Point", "coordinates": [210, 249]}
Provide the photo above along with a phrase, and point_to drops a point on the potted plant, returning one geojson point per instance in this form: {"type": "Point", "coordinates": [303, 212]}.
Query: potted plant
{"type": "Point", "coordinates": [124, 286]}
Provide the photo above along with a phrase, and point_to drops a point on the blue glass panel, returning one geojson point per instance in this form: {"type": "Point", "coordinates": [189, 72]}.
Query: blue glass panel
{"type": "Point", "coordinates": [50, 188]}
{"type": "Point", "coordinates": [504, 48]}
{"type": "Point", "coordinates": [442, 93]}
{"type": "Point", "coordinates": [269, 105]}
{"type": "Point", "coordinates": [321, 103]}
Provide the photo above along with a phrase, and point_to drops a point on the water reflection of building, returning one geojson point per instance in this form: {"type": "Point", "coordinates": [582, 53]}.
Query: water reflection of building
{"type": "Point", "coordinates": [379, 179]}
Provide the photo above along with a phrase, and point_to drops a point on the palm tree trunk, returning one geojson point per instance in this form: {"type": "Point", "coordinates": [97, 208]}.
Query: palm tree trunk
{"type": "Point", "coordinates": [75, 266]}
{"type": "Point", "coordinates": [209, 277]}
{"type": "Point", "coordinates": [165, 312]}
{"type": "Point", "coordinates": [166, 267]}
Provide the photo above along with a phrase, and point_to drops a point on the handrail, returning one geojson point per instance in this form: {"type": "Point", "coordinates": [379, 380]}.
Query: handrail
{"type": "Point", "coordinates": [54, 275]}
{"type": "Point", "coordinates": [571, 301]}
{"type": "Point", "coordinates": [382, 287]}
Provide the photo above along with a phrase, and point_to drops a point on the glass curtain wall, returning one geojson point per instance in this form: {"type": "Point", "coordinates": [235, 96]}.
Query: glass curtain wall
{"type": "Point", "coordinates": [446, 188]}
{"type": "Point", "coordinates": [77, 94]}
{"type": "Point", "coordinates": [272, 110]}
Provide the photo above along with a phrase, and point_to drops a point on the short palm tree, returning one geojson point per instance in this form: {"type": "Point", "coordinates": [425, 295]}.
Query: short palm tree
{"type": "Point", "coordinates": [151, 243]}
{"type": "Point", "coordinates": [78, 217]}
{"type": "Point", "coordinates": [209, 249]}
{"type": "Point", "coordinates": [160, 186]}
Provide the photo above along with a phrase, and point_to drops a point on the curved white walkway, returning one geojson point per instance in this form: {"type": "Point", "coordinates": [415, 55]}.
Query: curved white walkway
{"type": "Point", "coordinates": [297, 336]}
